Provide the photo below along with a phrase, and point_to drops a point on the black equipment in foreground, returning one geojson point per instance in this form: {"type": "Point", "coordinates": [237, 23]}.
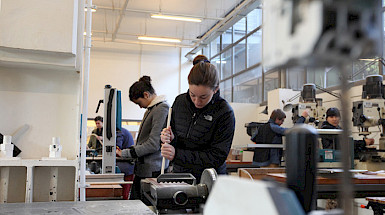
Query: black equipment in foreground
{"type": "Point", "coordinates": [301, 164]}
{"type": "Point", "coordinates": [174, 191]}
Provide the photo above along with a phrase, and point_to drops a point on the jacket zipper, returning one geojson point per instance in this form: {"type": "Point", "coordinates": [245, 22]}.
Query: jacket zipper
{"type": "Point", "coordinates": [193, 122]}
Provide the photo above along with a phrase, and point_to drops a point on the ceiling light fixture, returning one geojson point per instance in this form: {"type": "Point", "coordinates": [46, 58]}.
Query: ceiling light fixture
{"type": "Point", "coordinates": [93, 8]}
{"type": "Point", "coordinates": [159, 39]}
{"type": "Point", "coordinates": [178, 18]}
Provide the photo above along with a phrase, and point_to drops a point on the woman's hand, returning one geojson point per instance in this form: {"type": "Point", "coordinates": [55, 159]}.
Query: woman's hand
{"type": "Point", "coordinates": [369, 141]}
{"type": "Point", "coordinates": [168, 151]}
{"type": "Point", "coordinates": [305, 113]}
{"type": "Point", "coordinates": [166, 136]}
{"type": "Point", "coordinates": [118, 152]}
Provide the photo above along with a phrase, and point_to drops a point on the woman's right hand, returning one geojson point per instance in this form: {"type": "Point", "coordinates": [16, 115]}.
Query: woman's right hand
{"type": "Point", "coordinates": [118, 152]}
{"type": "Point", "coordinates": [166, 136]}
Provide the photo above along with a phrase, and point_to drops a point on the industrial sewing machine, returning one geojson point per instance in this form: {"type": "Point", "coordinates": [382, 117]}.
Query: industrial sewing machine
{"type": "Point", "coordinates": [174, 191]}
{"type": "Point", "coordinates": [308, 101]}
{"type": "Point", "coordinates": [369, 112]}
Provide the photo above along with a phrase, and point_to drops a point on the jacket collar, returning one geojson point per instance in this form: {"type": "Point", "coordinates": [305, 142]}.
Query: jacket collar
{"type": "Point", "coordinates": [157, 100]}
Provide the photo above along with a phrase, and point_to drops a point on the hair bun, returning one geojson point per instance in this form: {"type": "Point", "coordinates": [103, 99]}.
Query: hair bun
{"type": "Point", "coordinates": [145, 78]}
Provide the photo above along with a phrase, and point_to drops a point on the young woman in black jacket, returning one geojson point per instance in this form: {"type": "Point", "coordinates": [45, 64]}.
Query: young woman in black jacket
{"type": "Point", "coordinates": [202, 125]}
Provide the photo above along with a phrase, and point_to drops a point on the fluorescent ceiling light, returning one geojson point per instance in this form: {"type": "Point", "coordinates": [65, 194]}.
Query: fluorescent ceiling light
{"type": "Point", "coordinates": [93, 8]}
{"type": "Point", "coordinates": [179, 18]}
{"type": "Point", "coordinates": [159, 39]}
{"type": "Point", "coordinates": [369, 59]}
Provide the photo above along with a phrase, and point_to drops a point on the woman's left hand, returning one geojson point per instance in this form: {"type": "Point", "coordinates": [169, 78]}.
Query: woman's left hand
{"type": "Point", "coordinates": [168, 151]}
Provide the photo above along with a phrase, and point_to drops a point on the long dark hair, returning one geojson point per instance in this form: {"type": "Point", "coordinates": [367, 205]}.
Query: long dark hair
{"type": "Point", "coordinates": [138, 88]}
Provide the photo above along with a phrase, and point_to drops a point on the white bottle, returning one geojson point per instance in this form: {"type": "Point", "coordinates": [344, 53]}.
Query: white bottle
{"type": "Point", "coordinates": [55, 148]}
{"type": "Point", "coordinates": [6, 149]}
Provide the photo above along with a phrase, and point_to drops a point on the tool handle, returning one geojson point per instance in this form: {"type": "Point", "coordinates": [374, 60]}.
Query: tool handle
{"type": "Point", "coordinates": [168, 125]}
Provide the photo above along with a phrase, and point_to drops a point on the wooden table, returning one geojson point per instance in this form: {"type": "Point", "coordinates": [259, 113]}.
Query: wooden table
{"type": "Point", "coordinates": [327, 188]}
{"type": "Point", "coordinates": [233, 166]}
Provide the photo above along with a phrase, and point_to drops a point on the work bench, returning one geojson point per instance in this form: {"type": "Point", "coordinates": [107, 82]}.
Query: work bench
{"type": "Point", "coordinates": [134, 207]}
{"type": "Point", "coordinates": [328, 188]}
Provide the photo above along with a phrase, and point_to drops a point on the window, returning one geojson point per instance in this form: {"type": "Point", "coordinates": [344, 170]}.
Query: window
{"type": "Point", "coordinates": [225, 88]}
{"type": "Point", "coordinates": [295, 78]}
{"type": "Point", "coordinates": [271, 82]}
{"type": "Point", "coordinates": [239, 29]}
{"type": "Point", "coordinates": [364, 68]}
{"type": "Point", "coordinates": [316, 76]}
{"type": "Point", "coordinates": [237, 54]}
{"type": "Point", "coordinates": [240, 56]}
{"type": "Point", "coordinates": [254, 19]}
{"type": "Point", "coordinates": [215, 46]}
{"type": "Point", "coordinates": [227, 38]}
{"type": "Point", "coordinates": [206, 51]}
{"type": "Point", "coordinates": [254, 48]}
{"type": "Point", "coordinates": [248, 86]}
{"type": "Point", "coordinates": [226, 64]}
{"type": "Point", "coordinates": [332, 77]}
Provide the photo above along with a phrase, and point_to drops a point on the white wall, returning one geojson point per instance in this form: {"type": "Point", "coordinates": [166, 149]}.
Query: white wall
{"type": "Point", "coordinates": [53, 29]}
{"type": "Point", "coordinates": [47, 101]}
{"type": "Point", "coordinates": [120, 65]}
{"type": "Point", "coordinates": [40, 82]}
{"type": "Point", "coordinates": [244, 113]}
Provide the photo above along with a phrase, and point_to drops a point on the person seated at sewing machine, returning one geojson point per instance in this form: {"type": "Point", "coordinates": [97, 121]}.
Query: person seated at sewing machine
{"type": "Point", "coordinates": [202, 125]}
{"type": "Point", "coordinates": [333, 117]}
{"type": "Point", "coordinates": [271, 133]}
{"type": "Point", "coordinates": [124, 140]}
{"type": "Point", "coordinates": [96, 138]}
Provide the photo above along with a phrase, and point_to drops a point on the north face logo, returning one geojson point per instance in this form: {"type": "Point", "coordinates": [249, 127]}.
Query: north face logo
{"type": "Point", "coordinates": [208, 118]}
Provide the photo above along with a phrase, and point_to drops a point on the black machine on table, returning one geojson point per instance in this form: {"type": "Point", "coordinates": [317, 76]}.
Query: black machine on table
{"type": "Point", "coordinates": [174, 191]}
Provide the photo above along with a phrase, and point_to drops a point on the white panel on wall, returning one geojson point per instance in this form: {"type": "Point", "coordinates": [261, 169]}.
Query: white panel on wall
{"type": "Point", "coordinates": [45, 100]}
{"type": "Point", "coordinates": [123, 64]}
{"type": "Point", "coordinates": [275, 101]}
{"type": "Point", "coordinates": [118, 68]}
{"type": "Point", "coordinates": [186, 66]}
{"type": "Point", "coordinates": [47, 25]}
{"type": "Point", "coordinates": [244, 113]}
{"type": "Point", "coordinates": [162, 65]}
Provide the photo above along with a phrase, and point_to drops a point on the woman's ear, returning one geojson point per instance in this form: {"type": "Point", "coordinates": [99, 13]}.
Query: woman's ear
{"type": "Point", "coordinates": [146, 95]}
{"type": "Point", "coordinates": [216, 90]}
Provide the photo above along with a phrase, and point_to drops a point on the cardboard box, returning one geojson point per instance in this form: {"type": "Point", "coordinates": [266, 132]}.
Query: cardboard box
{"type": "Point", "coordinates": [247, 156]}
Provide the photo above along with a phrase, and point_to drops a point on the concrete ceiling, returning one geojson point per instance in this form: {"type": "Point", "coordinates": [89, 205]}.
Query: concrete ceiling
{"type": "Point", "coordinates": [125, 20]}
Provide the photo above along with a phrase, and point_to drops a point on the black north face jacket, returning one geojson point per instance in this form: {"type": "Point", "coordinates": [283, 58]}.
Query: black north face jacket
{"type": "Point", "coordinates": [203, 137]}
